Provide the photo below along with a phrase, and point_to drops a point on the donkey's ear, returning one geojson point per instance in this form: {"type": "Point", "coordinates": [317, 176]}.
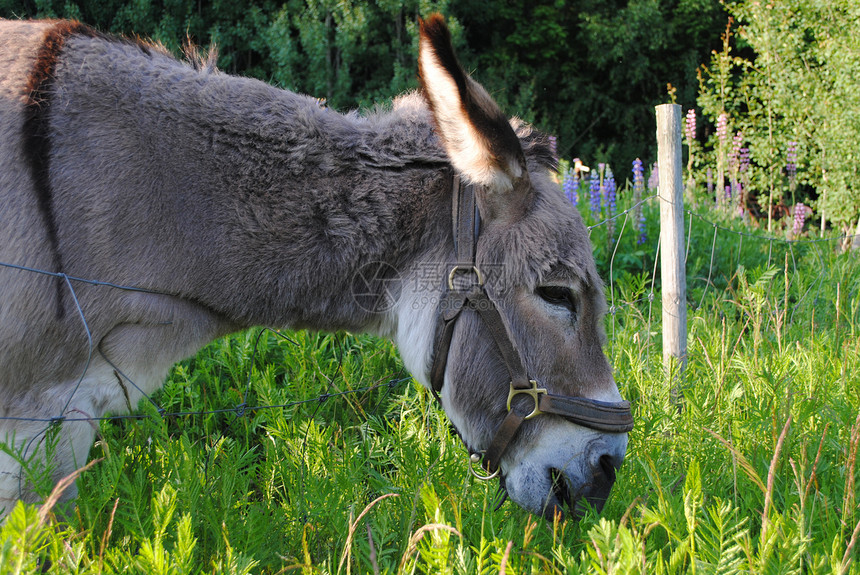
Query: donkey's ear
{"type": "Point", "coordinates": [477, 136]}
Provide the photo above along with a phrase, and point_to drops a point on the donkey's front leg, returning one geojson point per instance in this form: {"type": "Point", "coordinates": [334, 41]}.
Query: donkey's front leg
{"type": "Point", "coordinates": [39, 452]}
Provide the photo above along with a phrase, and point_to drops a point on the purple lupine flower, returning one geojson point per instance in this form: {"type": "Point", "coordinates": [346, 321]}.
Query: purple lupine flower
{"type": "Point", "coordinates": [728, 194]}
{"type": "Point", "coordinates": [723, 128]}
{"type": "Point", "coordinates": [791, 162]}
{"type": "Point", "coordinates": [654, 177]}
{"type": "Point", "coordinates": [710, 180]}
{"type": "Point", "coordinates": [735, 152]}
{"type": "Point", "coordinates": [638, 178]}
{"type": "Point", "coordinates": [595, 194]}
{"type": "Point", "coordinates": [553, 146]}
{"type": "Point", "coordinates": [610, 188]}
{"type": "Point", "coordinates": [745, 160]}
{"type": "Point", "coordinates": [570, 186]}
{"type": "Point", "coordinates": [800, 213]}
{"type": "Point", "coordinates": [638, 190]}
{"type": "Point", "coordinates": [601, 168]}
{"type": "Point", "coordinates": [690, 126]}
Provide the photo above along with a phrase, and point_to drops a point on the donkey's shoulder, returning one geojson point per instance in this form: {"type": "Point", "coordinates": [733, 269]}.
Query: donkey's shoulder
{"type": "Point", "coordinates": [19, 42]}
{"type": "Point", "coordinates": [11, 30]}
{"type": "Point", "coordinates": [49, 36]}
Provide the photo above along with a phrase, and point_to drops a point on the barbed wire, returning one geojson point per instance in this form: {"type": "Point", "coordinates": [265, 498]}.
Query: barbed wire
{"type": "Point", "coordinates": [759, 236]}
{"type": "Point", "coordinates": [240, 410]}
{"type": "Point", "coordinates": [791, 246]}
{"type": "Point", "coordinates": [69, 278]}
{"type": "Point", "coordinates": [614, 217]}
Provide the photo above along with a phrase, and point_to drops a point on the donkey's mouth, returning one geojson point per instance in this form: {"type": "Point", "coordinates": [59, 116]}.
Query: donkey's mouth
{"type": "Point", "coordinates": [591, 495]}
{"type": "Point", "coordinates": [560, 491]}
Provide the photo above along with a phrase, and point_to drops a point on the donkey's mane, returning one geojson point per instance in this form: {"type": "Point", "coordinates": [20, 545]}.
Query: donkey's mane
{"type": "Point", "coordinates": [399, 134]}
{"type": "Point", "coordinates": [201, 60]}
{"type": "Point", "coordinates": [537, 146]}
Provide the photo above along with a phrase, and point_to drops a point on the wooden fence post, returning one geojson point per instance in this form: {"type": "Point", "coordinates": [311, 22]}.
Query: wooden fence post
{"type": "Point", "coordinates": [673, 275]}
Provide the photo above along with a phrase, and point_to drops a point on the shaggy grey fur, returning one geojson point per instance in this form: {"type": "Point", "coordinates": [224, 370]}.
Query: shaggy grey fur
{"type": "Point", "coordinates": [237, 204]}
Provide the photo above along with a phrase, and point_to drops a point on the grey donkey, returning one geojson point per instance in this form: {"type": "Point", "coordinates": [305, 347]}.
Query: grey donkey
{"type": "Point", "coordinates": [227, 203]}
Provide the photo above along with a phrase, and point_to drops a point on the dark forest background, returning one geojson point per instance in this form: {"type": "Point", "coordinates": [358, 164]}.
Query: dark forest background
{"type": "Point", "coordinates": [588, 71]}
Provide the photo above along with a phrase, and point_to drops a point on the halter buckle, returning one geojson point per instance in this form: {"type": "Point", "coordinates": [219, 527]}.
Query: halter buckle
{"type": "Point", "coordinates": [464, 269]}
{"type": "Point", "coordinates": [534, 392]}
{"type": "Point", "coordinates": [477, 470]}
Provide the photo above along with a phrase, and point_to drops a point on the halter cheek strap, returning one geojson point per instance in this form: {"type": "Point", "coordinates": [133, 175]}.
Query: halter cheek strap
{"type": "Point", "coordinates": [463, 295]}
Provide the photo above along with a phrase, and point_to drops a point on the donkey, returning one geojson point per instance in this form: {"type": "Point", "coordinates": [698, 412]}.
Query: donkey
{"type": "Point", "coordinates": [204, 204]}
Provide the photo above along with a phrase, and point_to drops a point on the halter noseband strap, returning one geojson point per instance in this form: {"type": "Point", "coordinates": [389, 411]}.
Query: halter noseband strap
{"type": "Point", "coordinates": [460, 295]}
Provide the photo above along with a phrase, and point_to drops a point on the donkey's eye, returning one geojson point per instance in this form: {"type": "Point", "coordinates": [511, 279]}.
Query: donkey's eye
{"type": "Point", "coordinates": [557, 295]}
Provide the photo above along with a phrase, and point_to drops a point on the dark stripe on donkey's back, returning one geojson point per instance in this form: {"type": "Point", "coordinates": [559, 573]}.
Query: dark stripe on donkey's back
{"type": "Point", "coordinates": [36, 133]}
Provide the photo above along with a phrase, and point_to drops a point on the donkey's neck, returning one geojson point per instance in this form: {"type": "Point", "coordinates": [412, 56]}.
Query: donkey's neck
{"type": "Point", "coordinates": [260, 204]}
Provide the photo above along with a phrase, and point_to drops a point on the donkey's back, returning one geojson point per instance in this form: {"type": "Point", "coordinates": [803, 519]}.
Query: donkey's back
{"type": "Point", "coordinates": [62, 340]}
{"type": "Point", "coordinates": [25, 297]}
{"type": "Point", "coordinates": [21, 236]}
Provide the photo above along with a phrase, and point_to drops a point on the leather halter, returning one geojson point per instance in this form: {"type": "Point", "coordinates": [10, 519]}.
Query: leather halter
{"type": "Point", "coordinates": [459, 295]}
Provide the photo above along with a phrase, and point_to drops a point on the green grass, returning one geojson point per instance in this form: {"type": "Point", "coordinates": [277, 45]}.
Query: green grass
{"type": "Point", "coordinates": [753, 470]}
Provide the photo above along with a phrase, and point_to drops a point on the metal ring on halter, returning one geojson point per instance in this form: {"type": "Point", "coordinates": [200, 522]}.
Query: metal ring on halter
{"type": "Point", "coordinates": [456, 269]}
{"type": "Point", "coordinates": [534, 391]}
{"type": "Point", "coordinates": [479, 472]}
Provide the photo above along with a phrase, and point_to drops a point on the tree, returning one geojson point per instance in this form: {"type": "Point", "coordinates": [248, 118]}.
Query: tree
{"type": "Point", "coordinates": [591, 71]}
{"type": "Point", "coordinates": [793, 92]}
{"type": "Point", "coordinates": [588, 71]}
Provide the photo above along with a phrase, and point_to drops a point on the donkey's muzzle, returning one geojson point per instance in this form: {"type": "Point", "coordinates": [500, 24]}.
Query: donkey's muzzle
{"type": "Point", "coordinates": [593, 493]}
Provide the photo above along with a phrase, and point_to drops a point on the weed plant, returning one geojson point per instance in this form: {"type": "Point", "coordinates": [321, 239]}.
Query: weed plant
{"type": "Point", "coordinates": [751, 466]}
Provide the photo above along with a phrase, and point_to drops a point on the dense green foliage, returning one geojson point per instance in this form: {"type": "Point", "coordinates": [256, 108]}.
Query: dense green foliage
{"type": "Point", "coordinates": [754, 471]}
{"type": "Point", "coordinates": [589, 71]}
{"type": "Point", "coordinates": [788, 73]}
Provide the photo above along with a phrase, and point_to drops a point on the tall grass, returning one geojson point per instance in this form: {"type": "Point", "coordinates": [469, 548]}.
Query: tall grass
{"type": "Point", "coordinates": [754, 469]}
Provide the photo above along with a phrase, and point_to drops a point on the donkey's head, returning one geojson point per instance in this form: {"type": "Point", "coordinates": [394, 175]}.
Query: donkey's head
{"type": "Point", "coordinates": [539, 345]}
